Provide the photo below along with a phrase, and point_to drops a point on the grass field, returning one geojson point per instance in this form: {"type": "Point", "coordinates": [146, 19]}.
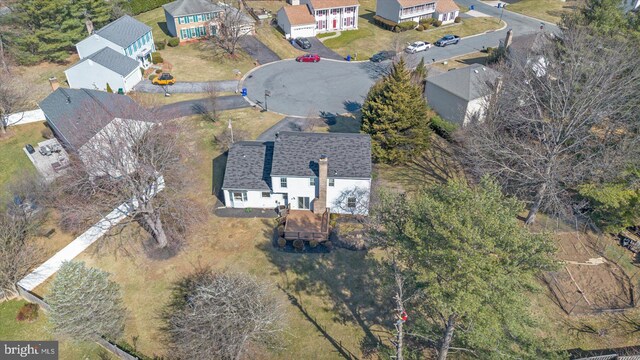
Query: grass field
{"type": "Point", "coordinates": [39, 330]}
{"type": "Point", "coordinates": [37, 78]}
{"type": "Point", "coordinates": [156, 20]}
{"type": "Point", "coordinates": [274, 39]}
{"type": "Point", "coordinates": [273, 5]}
{"type": "Point", "coordinates": [547, 10]}
{"type": "Point", "coordinates": [14, 161]}
{"type": "Point", "coordinates": [462, 61]}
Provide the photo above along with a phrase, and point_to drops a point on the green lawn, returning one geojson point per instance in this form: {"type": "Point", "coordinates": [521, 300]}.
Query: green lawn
{"type": "Point", "coordinates": [275, 40]}
{"type": "Point", "coordinates": [547, 10]}
{"type": "Point", "coordinates": [14, 160]}
{"type": "Point", "coordinates": [12, 330]}
{"type": "Point", "coordinates": [155, 18]}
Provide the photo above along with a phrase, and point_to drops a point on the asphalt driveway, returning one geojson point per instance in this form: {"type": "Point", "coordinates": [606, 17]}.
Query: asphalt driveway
{"type": "Point", "coordinates": [257, 50]}
{"type": "Point", "coordinates": [312, 89]}
{"type": "Point", "coordinates": [199, 106]}
{"type": "Point", "coordinates": [317, 47]}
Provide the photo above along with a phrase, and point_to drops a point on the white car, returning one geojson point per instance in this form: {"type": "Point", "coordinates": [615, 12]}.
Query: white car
{"type": "Point", "coordinates": [417, 47]}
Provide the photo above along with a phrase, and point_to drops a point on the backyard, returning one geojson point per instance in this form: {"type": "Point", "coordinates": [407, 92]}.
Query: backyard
{"type": "Point", "coordinates": [14, 160]}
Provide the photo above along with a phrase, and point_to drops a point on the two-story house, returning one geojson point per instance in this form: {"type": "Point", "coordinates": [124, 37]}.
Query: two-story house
{"type": "Point", "coordinates": [397, 11]}
{"type": "Point", "coordinates": [195, 19]}
{"type": "Point", "coordinates": [314, 171]}
{"type": "Point", "coordinates": [327, 15]}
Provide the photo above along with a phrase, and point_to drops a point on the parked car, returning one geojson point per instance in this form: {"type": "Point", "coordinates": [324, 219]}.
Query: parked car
{"type": "Point", "coordinates": [164, 79]}
{"type": "Point", "coordinates": [448, 40]}
{"type": "Point", "coordinates": [308, 58]}
{"type": "Point", "coordinates": [417, 47]}
{"type": "Point", "coordinates": [383, 55]}
{"type": "Point", "coordinates": [45, 150]}
{"type": "Point", "coordinates": [30, 148]}
{"type": "Point", "coordinates": [303, 43]}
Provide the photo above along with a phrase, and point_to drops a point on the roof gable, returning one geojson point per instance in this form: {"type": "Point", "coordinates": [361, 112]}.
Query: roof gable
{"type": "Point", "coordinates": [112, 60]}
{"type": "Point", "coordinates": [468, 83]}
{"type": "Point", "coordinates": [444, 6]}
{"type": "Point", "coordinates": [191, 7]}
{"type": "Point", "coordinates": [123, 31]}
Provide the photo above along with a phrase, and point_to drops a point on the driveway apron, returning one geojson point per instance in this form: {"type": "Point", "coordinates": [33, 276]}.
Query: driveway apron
{"type": "Point", "coordinates": [257, 50]}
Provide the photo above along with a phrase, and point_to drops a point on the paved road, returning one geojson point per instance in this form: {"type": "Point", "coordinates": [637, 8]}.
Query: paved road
{"type": "Point", "coordinates": [309, 89]}
{"type": "Point", "coordinates": [257, 50]}
{"type": "Point", "coordinates": [146, 86]}
{"type": "Point", "coordinates": [199, 106]}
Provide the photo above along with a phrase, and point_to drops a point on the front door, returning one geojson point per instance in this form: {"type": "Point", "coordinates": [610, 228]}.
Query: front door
{"type": "Point", "coordinates": [239, 198]}
{"type": "Point", "coordinates": [303, 202]}
{"type": "Point", "coordinates": [335, 23]}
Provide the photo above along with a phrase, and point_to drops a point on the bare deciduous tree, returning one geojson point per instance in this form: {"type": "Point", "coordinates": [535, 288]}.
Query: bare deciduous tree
{"type": "Point", "coordinates": [222, 316]}
{"type": "Point", "coordinates": [563, 115]}
{"type": "Point", "coordinates": [354, 200]}
{"type": "Point", "coordinates": [140, 162]}
{"type": "Point", "coordinates": [231, 26]}
{"type": "Point", "coordinates": [13, 98]}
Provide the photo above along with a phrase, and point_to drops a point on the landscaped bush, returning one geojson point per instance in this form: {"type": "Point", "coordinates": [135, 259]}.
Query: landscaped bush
{"type": "Point", "coordinates": [160, 45]}
{"type": "Point", "coordinates": [158, 71]}
{"type": "Point", "coordinates": [313, 243]}
{"type": "Point", "coordinates": [437, 23]}
{"type": "Point", "coordinates": [47, 133]}
{"type": "Point", "coordinates": [152, 76]}
{"type": "Point", "coordinates": [298, 244]}
{"type": "Point", "coordinates": [136, 7]}
{"type": "Point", "coordinates": [156, 58]}
{"type": "Point", "coordinates": [457, 20]}
{"type": "Point", "coordinates": [405, 25]}
{"type": "Point", "coordinates": [173, 42]}
{"type": "Point", "coordinates": [427, 21]}
{"type": "Point", "coordinates": [420, 28]}
{"type": "Point", "coordinates": [426, 26]}
{"type": "Point", "coordinates": [442, 127]}
{"type": "Point", "coordinates": [109, 89]}
{"type": "Point", "coordinates": [28, 312]}
{"type": "Point", "coordinates": [282, 242]}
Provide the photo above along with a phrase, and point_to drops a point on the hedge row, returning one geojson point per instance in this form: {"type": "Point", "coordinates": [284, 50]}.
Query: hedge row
{"type": "Point", "coordinates": [136, 7]}
{"type": "Point", "coordinates": [405, 25]}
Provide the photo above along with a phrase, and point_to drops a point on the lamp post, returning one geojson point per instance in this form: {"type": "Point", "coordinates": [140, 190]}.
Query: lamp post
{"type": "Point", "coordinates": [267, 93]}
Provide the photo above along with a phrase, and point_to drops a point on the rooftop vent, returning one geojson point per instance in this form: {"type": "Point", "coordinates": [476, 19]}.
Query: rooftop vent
{"type": "Point", "coordinates": [476, 71]}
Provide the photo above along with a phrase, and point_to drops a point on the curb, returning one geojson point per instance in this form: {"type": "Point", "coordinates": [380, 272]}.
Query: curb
{"type": "Point", "coordinates": [487, 32]}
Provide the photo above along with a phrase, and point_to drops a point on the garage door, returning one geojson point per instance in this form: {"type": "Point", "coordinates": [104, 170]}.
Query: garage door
{"type": "Point", "coordinates": [303, 31]}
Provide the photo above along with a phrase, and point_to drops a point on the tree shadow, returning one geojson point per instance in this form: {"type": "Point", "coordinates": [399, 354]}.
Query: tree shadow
{"type": "Point", "coordinates": [218, 165]}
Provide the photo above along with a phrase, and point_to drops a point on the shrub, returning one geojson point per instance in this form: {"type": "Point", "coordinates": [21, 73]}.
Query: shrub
{"type": "Point", "coordinates": [160, 45]}
{"type": "Point", "coordinates": [152, 76]}
{"type": "Point", "coordinates": [158, 71]}
{"type": "Point", "coordinates": [173, 42]}
{"type": "Point", "coordinates": [420, 28]}
{"type": "Point", "coordinates": [109, 89]}
{"type": "Point", "coordinates": [407, 25]}
{"type": "Point", "coordinates": [442, 127]}
{"type": "Point", "coordinates": [28, 312]}
{"type": "Point", "coordinates": [282, 242]}
{"type": "Point", "coordinates": [47, 133]}
{"type": "Point", "coordinates": [427, 21]}
{"type": "Point", "coordinates": [298, 244]}
{"type": "Point", "coordinates": [313, 243]}
{"type": "Point", "coordinates": [457, 20]}
{"type": "Point", "coordinates": [437, 23]}
{"type": "Point", "coordinates": [156, 58]}
{"type": "Point", "coordinates": [427, 26]}
{"type": "Point", "coordinates": [328, 245]}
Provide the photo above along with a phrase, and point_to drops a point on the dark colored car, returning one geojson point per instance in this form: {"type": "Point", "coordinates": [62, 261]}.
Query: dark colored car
{"type": "Point", "coordinates": [303, 43]}
{"type": "Point", "coordinates": [308, 58]}
{"type": "Point", "coordinates": [383, 55]}
{"type": "Point", "coordinates": [30, 149]}
{"type": "Point", "coordinates": [448, 40]}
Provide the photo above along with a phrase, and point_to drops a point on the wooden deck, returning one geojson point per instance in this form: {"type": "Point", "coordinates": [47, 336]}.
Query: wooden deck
{"type": "Point", "coordinates": [305, 225]}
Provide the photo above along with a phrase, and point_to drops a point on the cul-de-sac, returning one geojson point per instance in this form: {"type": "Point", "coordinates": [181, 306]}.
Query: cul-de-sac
{"type": "Point", "coordinates": [319, 179]}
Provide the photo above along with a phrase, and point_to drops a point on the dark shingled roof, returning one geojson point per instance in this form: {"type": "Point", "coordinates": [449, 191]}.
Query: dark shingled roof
{"type": "Point", "coordinates": [248, 166]}
{"type": "Point", "coordinates": [191, 7]}
{"type": "Point", "coordinates": [468, 83]}
{"type": "Point", "coordinates": [77, 115]}
{"type": "Point", "coordinates": [297, 154]}
{"type": "Point", "coordinates": [112, 60]}
{"type": "Point", "coordinates": [124, 31]}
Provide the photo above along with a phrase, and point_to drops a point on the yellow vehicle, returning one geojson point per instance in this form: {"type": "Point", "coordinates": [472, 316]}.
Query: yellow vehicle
{"type": "Point", "coordinates": [164, 79]}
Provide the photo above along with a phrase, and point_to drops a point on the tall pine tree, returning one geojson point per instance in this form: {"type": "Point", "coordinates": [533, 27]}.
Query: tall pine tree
{"type": "Point", "coordinates": [395, 114]}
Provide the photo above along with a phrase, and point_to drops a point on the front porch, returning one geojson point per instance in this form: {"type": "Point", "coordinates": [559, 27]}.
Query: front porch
{"type": "Point", "coordinates": [306, 226]}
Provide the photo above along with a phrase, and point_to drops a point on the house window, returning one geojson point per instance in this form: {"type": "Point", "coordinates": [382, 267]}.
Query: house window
{"type": "Point", "coordinates": [312, 181]}
{"type": "Point", "coordinates": [332, 182]}
{"type": "Point", "coordinates": [351, 202]}
{"type": "Point", "coordinates": [283, 182]}
{"type": "Point", "coordinates": [266, 194]}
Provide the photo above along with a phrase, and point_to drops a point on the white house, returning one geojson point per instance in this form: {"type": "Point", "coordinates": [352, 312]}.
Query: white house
{"type": "Point", "coordinates": [460, 96]}
{"type": "Point", "coordinates": [126, 36]}
{"type": "Point", "coordinates": [102, 68]}
{"type": "Point", "coordinates": [300, 170]}
{"type": "Point", "coordinates": [328, 15]}
{"type": "Point", "coordinates": [397, 11]}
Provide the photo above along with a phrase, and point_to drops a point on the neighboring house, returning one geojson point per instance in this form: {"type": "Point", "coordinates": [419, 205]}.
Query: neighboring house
{"type": "Point", "coordinates": [103, 67]}
{"type": "Point", "coordinates": [631, 5]}
{"type": "Point", "coordinates": [329, 15]}
{"type": "Point", "coordinates": [195, 19]}
{"type": "Point", "coordinates": [460, 96]}
{"type": "Point", "coordinates": [78, 117]}
{"type": "Point", "coordinates": [300, 170]}
{"type": "Point", "coordinates": [397, 11]}
{"type": "Point", "coordinates": [126, 36]}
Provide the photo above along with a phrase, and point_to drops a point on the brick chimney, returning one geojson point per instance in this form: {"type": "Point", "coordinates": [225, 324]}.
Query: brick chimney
{"type": "Point", "coordinates": [53, 81]}
{"type": "Point", "coordinates": [508, 39]}
{"type": "Point", "coordinates": [320, 203]}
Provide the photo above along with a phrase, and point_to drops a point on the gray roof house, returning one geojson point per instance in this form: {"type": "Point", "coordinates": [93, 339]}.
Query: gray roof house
{"type": "Point", "coordinates": [460, 95]}
{"type": "Point", "coordinates": [300, 170]}
{"type": "Point", "coordinates": [76, 115]}
{"type": "Point", "coordinates": [102, 69]}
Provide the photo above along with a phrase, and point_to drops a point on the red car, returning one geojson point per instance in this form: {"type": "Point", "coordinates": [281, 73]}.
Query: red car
{"type": "Point", "coordinates": [308, 58]}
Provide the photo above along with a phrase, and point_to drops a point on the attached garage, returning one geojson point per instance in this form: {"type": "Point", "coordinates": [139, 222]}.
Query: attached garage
{"type": "Point", "coordinates": [296, 21]}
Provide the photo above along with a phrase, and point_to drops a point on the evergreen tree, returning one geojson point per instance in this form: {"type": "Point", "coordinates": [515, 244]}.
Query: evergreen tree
{"type": "Point", "coordinates": [85, 304]}
{"type": "Point", "coordinates": [419, 75]}
{"type": "Point", "coordinates": [395, 114]}
{"type": "Point", "coordinates": [474, 262]}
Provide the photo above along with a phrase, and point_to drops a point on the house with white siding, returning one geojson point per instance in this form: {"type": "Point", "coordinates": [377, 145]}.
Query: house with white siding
{"type": "Point", "coordinates": [104, 69]}
{"type": "Point", "coordinates": [301, 171]}
{"type": "Point", "coordinates": [397, 11]}
{"type": "Point", "coordinates": [328, 15]}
